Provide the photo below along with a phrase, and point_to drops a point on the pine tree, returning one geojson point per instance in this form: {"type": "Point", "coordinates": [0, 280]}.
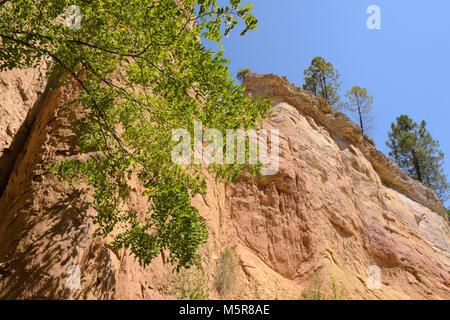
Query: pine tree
{"type": "Point", "coordinates": [322, 80]}
{"type": "Point", "coordinates": [417, 153]}
{"type": "Point", "coordinates": [360, 104]}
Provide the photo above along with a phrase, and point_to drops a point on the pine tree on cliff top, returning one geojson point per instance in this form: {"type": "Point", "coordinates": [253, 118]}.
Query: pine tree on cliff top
{"type": "Point", "coordinates": [169, 80]}
{"type": "Point", "coordinates": [417, 153]}
{"type": "Point", "coordinates": [360, 104]}
{"type": "Point", "coordinates": [322, 80]}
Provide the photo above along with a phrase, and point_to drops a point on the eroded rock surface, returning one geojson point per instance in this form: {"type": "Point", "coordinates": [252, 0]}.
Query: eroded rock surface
{"type": "Point", "coordinates": [336, 207]}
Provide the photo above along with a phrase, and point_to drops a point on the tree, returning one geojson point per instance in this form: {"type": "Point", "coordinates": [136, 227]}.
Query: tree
{"type": "Point", "coordinates": [169, 81]}
{"type": "Point", "coordinates": [414, 150]}
{"type": "Point", "coordinates": [360, 104]}
{"type": "Point", "coordinates": [322, 80]}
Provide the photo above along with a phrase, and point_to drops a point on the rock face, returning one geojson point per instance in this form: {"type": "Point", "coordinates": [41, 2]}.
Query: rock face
{"type": "Point", "coordinates": [19, 92]}
{"type": "Point", "coordinates": [336, 207]}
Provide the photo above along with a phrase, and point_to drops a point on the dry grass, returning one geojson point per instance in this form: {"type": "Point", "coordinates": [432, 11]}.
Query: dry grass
{"type": "Point", "coordinates": [192, 284]}
{"type": "Point", "coordinates": [315, 289]}
{"type": "Point", "coordinates": [226, 272]}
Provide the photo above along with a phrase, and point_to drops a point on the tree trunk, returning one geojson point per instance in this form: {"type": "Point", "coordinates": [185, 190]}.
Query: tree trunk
{"type": "Point", "coordinates": [323, 86]}
{"type": "Point", "coordinates": [416, 165]}
{"type": "Point", "coordinates": [360, 115]}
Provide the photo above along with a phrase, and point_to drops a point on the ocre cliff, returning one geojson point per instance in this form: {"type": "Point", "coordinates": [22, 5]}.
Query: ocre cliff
{"type": "Point", "coordinates": [336, 207]}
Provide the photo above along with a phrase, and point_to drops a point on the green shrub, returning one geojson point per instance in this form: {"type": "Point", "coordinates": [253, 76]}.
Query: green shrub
{"type": "Point", "coordinates": [314, 290]}
{"type": "Point", "coordinates": [242, 73]}
{"type": "Point", "coordinates": [338, 294]}
{"type": "Point", "coordinates": [369, 139]}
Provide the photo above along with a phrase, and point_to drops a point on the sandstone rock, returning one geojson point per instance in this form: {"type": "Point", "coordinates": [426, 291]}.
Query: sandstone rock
{"type": "Point", "coordinates": [336, 206]}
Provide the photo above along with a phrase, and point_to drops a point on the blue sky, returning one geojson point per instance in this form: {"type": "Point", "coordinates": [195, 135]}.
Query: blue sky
{"type": "Point", "coordinates": [405, 66]}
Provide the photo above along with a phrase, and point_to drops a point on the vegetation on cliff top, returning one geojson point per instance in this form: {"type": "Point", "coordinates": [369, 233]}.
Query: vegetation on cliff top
{"type": "Point", "coordinates": [242, 73]}
{"type": "Point", "coordinates": [412, 147]}
{"type": "Point", "coordinates": [322, 80]}
{"type": "Point", "coordinates": [418, 154]}
{"type": "Point", "coordinates": [360, 104]}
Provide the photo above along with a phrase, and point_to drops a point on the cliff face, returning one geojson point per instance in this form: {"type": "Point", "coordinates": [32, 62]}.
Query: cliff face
{"type": "Point", "coordinates": [336, 207]}
{"type": "Point", "coordinates": [19, 92]}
